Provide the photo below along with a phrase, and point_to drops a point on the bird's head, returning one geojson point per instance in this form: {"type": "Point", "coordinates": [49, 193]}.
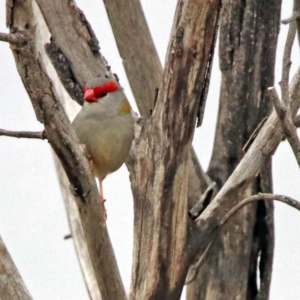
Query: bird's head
{"type": "Point", "coordinates": [97, 88]}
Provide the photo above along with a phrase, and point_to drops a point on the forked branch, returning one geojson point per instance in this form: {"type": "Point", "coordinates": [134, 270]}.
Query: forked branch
{"type": "Point", "coordinates": [261, 196]}
{"type": "Point", "coordinates": [283, 108]}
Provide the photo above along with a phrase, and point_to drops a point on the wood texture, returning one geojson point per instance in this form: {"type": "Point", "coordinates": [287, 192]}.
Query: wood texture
{"type": "Point", "coordinates": [77, 234]}
{"type": "Point", "coordinates": [42, 36]}
{"type": "Point", "coordinates": [144, 71]}
{"type": "Point", "coordinates": [137, 50]}
{"type": "Point", "coordinates": [65, 144]}
{"type": "Point", "coordinates": [70, 30]}
{"type": "Point", "coordinates": [12, 286]}
{"type": "Point", "coordinates": [247, 59]}
{"type": "Point", "coordinates": [263, 146]}
{"type": "Point", "coordinates": [162, 152]}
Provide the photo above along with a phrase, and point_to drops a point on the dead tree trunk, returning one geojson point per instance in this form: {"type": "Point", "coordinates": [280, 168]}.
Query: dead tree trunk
{"type": "Point", "coordinates": [248, 39]}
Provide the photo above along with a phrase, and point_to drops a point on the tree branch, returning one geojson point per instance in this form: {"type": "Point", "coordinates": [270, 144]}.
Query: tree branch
{"type": "Point", "coordinates": [261, 196]}
{"type": "Point", "coordinates": [292, 18]}
{"type": "Point", "coordinates": [13, 38]}
{"type": "Point", "coordinates": [287, 123]}
{"type": "Point", "coordinates": [163, 147]}
{"type": "Point", "coordinates": [283, 108]}
{"type": "Point", "coordinates": [286, 65]}
{"type": "Point", "coordinates": [204, 200]}
{"type": "Point", "coordinates": [263, 146]}
{"type": "Point", "coordinates": [41, 135]}
{"type": "Point", "coordinates": [12, 286]}
{"type": "Point", "coordinates": [77, 233]}
{"type": "Point", "coordinates": [297, 121]}
{"type": "Point", "coordinates": [86, 62]}
{"type": "Point", "coordinates": [63, 139]}
{"type": "Point", "coordinates": [144, 71]}
{"type": "Point", "coordinates": [137, 50]}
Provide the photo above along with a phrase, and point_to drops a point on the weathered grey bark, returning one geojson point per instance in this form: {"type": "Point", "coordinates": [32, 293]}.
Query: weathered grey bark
{"type": "Point", "coordinates": [77, 234]}
{"type": "Point", "coordinates": [261, 149]}
{"type": "Point", "coordinates": [65, 143]}
{"type": "Point", "coordinates": [12, 286]}
{"type": "Point", "coordinates": [137, 50]}
{"type": "Point", "coordinates": [42, 36]}
{"type": "Point", "coordinates": [69, 30]}
{"type": "Point", "coordinates": [161, 155]}
{"type": "Point", "coordinates": [144, 71]}
{"type": "Point", "coordinates": [247, 59]}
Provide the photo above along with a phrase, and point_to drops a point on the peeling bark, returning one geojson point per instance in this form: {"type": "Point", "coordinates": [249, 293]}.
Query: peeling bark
{"type": "Point", "coordinates": [161, 153]}
{"type": "Point", "coordinates": [66, 146]}
{"type": "Point", "coordinates": [12, 286]}
{"type": "Point", "coordinates": [248, 39]}
{"type": "Point", "coordinates": [70, 29]}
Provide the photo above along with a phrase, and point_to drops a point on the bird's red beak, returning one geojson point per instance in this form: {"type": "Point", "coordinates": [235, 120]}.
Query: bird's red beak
{"type": "Point", "coordinates": [90, 96]}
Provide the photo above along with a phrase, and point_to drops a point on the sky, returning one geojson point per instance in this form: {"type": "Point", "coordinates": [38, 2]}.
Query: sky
{"type": "Point", "coordinates": [33, 221]}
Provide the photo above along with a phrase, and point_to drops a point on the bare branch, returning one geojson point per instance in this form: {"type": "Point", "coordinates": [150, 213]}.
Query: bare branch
{"type": "Point", "coordinates": [261, 196]}
{"type": "Point", "coordinates": [203, 201]}
{"type": "Point", "coordinates": [77, 233]}
{"type": "Point", "coordinates": [193, 271]}
{"type": "Point", "coordinates": [137, 49]}
{"type": "Point", "coordinates": [254, 134]}
{"type": "Point", "coordinates": [9, 6]}
{"type": "Point", "coordinates": [297, 121]}
{"type": "Point", "coordinates": [86, 62]}
{"type": "Point", "coordinates": [284, 109]}
{"type": "Point", "coordinates": [167, 138]}
{"type": "Point", "coordinates": [263, 146]}
{"type": "Point", "coordinates": [297, 9]}
{"type": "Point", "coordinates": [66, 146]}
{"type": "Point", "coordinates": [292, 18]}
{"type": "Point", "coordinates": [286, 65]}
{"type": "Point", "coordinates": [41, 135]}
{"type": "Point", "coordinates": [12, 286]}
{"type": "Point", "coordinates": [279, 108]}
{"type": "Point", "coordinates": [13, 38]}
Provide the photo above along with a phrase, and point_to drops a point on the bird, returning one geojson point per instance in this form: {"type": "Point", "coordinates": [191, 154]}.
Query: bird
{"type": "Point", "coordinates": [105, 126]}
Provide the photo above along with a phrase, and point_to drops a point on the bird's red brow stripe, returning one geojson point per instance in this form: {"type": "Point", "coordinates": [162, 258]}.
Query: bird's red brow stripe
{"type": "Point", "coordinates": [108, 87]}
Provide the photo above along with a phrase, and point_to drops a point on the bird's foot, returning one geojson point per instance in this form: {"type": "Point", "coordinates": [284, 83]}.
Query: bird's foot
{"type": "Point", "coordinates": [102, 201]}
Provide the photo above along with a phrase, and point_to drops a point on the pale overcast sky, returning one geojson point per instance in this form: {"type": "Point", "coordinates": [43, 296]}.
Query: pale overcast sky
{"type": "Point", "coordinates": [32, 217]}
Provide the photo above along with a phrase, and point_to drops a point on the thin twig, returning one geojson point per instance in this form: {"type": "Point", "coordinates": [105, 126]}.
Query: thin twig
{"type": "Point", "coordinates": [13, 38]}
{"type": "Point", "coordinates": [41, 135]}
{"type": "Point", "coordinates": [286, 64]}
{"type": "Point", "coordinates": [261, 196]}
{"type": "Point", "coordinates": [292, 18]}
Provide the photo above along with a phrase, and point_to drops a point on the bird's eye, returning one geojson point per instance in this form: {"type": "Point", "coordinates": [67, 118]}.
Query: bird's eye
{"type": "Point", "coordinates": [104, 94]}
